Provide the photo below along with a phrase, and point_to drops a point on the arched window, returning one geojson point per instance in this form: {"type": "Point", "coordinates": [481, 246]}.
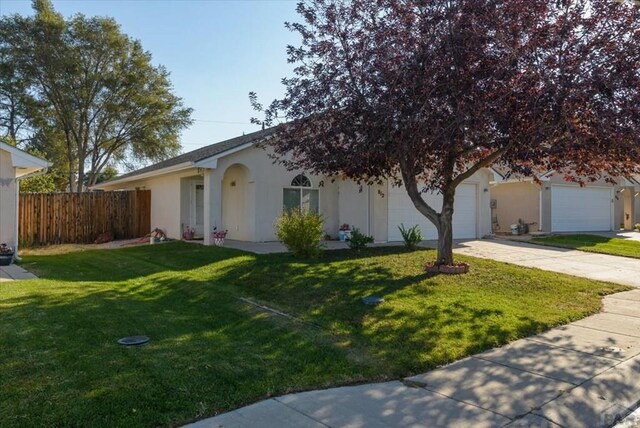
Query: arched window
{"type": "Point", "coordinates": [300, 196]}
{"type": "Point", "coordinates": [300, 180]}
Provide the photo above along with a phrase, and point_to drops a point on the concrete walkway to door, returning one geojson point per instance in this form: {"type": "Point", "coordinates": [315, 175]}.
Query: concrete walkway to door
{"type": "Point", "coordinates": [14, 272]}
{"type": "Point", "coordinates": [622, 270]}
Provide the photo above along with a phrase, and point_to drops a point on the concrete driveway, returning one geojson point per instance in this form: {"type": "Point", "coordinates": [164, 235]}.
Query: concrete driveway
{"type": "Point", "coordinates": [621, 270]}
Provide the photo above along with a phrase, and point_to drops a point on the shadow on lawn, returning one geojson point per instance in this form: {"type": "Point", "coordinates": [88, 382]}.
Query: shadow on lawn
{"type": "Point", "coordinates": [211, 352]}
{"type": "Point", "coordinates": [411, 331]}
{"type": "Point", "coordinates": [208, 353]}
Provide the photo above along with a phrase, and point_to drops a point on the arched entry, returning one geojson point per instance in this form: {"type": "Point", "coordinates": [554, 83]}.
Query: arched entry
{"type": "Point", "coordinates": [237, 203]}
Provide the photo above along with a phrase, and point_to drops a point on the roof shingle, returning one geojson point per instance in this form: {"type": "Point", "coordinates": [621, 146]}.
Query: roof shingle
{"type": "Point", "coordinates": [203, 152]}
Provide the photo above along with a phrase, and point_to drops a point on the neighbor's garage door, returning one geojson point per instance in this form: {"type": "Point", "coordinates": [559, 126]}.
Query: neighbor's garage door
{"type": "Point", "coordinates": [580, 209]}
{"type": "Point", "coordinates": [402, 210]}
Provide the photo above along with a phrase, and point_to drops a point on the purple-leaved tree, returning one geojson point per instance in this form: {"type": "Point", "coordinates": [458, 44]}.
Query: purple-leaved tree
{"type": "Point", "coordinates": [426, 93]}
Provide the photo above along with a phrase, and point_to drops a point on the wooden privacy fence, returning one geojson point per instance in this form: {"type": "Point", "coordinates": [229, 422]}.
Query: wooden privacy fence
{"type": "Point", "coordinates": [60, 218]}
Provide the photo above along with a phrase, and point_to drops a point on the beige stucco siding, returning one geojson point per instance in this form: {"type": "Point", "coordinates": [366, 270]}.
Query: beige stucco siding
{"type": "Point", "coordinates": [379, 212]}
{"type": "Point", "coordinates": [619, 212]}
{"type": "Point", "coordinates": [7, 200]}
{"type": "Point", "coordinates": [266, 182]}
{"type": "Point", "coordinates": [244, 195]}
{"type": "Point", "coordinates": [514, 201]}
{"type": "Point", "coordinates": [482, 178]}
{"type": "Point", "coordinates": [353, 203]}
{"type": "Point", "coordinates": [546, 208]}
{"type": "Point", "coordinates": [521, 200]}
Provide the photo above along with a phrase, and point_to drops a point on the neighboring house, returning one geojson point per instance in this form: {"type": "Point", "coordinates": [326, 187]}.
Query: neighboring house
{"type": "Point", "coordinates": [560, 206]}
{"type": "Point", "coordinates": [15, 165]}
{"type": "Point", "coordinates": [235, 186]}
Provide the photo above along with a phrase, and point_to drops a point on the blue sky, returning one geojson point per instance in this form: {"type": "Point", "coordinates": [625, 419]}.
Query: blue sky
{"type": "Point", "coordinates": [217, 52]}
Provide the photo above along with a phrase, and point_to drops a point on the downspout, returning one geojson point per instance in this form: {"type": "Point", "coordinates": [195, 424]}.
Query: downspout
{"type": "Point", "coordinates": [16, 236]}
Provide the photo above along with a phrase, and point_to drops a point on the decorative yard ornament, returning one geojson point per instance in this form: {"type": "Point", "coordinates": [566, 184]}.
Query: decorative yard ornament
{"type": "Point", "coordinates": [428, 92]}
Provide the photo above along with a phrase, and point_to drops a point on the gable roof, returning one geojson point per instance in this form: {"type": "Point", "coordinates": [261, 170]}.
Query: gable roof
{"type": "Point", "coordinates": [190, 159]}
{"type": "Point", "coordinates": [25, 163]}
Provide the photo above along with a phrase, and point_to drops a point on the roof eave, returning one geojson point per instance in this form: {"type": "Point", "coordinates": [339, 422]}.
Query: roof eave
{"type": "Point", "coordinates": [138, 177]}
{"type": "Point", "coordinates": [22, 159]}
{"type": "Point", "coordinates": [212, 161]}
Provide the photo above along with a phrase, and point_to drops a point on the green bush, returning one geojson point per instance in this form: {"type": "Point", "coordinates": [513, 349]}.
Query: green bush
{"type": "Point", "coordinates": [411, 236]}
{"type": "Point", "coordinates": [359, 240]}
{"type": "Point", "coordinates": [301, 232]}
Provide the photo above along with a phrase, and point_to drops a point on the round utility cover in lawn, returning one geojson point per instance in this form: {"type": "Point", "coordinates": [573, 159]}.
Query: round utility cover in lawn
{"type": "Point", "coordinates": [372, 300]}
{"type": "Point", "coordinates": [133, 340]}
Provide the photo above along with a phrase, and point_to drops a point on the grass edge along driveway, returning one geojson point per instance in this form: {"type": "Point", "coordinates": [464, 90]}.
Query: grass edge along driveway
{"type": "Point", "coordinates": [210, 352]}
{"type": "Point", "coordinates": [593, 244]}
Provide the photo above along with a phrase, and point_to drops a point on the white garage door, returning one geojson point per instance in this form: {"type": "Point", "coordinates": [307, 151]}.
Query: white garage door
{"type": "Point", "coordinates": [402, 211]}
{"type": "Point", "coordinates": [580, 209]}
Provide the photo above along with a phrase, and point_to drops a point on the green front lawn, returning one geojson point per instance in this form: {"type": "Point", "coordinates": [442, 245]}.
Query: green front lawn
{"type": "Point", "coordinates": [594, 244]}
{"type": "Point", "coordinates": [211, 352]}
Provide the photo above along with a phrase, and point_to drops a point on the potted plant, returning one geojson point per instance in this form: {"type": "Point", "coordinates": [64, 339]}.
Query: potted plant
{"type": "Point", "coordinates": [218, 237]}
{"type": "Point", "coordinates": [6, 254]}
{"type": "Point", "coordinates": [189, 233]}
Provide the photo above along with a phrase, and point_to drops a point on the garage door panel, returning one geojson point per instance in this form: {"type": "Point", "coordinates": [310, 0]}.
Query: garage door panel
{"type": "Point", "coordinates": [580, 209]}
{"type": "Point", "coordinates": [402, 211]}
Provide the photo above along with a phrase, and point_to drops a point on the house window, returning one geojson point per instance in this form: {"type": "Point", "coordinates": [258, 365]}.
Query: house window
{"type": "Point", "coordinates": [301, 196]}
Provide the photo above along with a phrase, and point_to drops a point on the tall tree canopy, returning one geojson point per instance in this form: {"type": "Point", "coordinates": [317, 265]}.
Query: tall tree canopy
{"type": "Point", "coordinates": [84, 84]}
{"type": "Point", "coordinates": [428, 92]}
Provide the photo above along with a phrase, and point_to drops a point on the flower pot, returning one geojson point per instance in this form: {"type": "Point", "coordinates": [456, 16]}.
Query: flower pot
{"type": "Point", "coordinates": [6, 259]}
{"type": "Point", "coordinates": [455, 269]}
{"type": "Point", "coordinates": [431, 268]}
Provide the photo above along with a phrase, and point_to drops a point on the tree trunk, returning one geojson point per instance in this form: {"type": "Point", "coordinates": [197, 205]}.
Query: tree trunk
{"type": "Point", "coordinates": [81, 159]}
{"type": "Point", "coordinates": [72, 178]}
{"type": "Point", "coordinates": [445, 230]}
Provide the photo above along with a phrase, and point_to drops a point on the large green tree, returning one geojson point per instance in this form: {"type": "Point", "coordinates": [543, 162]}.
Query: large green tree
{"type": "Point", "coordinates": [84, 84]}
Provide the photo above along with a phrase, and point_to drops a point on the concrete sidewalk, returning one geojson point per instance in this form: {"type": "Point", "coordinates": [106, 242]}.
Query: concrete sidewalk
{"type": "Point", "coordinates": [621, 270]}
{"type": "Point", "coordinates": [582, 374]}
{"type": "Point", "coordinates": [14, 272]}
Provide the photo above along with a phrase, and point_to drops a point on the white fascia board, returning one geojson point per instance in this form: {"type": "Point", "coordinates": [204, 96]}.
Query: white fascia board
{"type": "Point", "coordinates": [212, 162]}
{"type": "Point", "coordinates": [629, 181]}
{"type": "Point", "coordinates": [514, 180]}
{"type": "Point", "coordinates": [137, 177]}
{"type": "Point", "coordinates": [22, 159]}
